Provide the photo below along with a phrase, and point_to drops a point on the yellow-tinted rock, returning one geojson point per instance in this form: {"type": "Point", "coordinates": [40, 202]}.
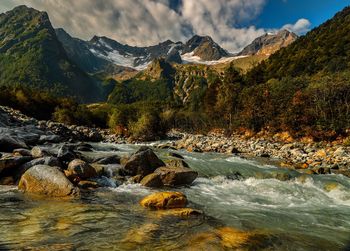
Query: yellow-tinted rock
{"type": "Point", "coordinates": [321, 153]}
{"type": "Point", "coordinates": [141, 234]}
{"type": "Point", "coordinates": [164, 200]}
{"type": "Point", "coordinates": [331, 186]}
{"type": "Point", "coordinates": [179, 212]}
{"type": "Point", "coordinates": [232, 238]}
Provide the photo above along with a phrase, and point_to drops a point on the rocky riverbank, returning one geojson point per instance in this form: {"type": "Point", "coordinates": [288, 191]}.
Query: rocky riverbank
{"type": "Point", "coordinates": [302, 155]}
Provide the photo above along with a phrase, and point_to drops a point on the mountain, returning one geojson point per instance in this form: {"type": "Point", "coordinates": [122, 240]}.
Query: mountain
{"type": "Point", "coordinates": [204, 48]}
{"type": "Point", "coordinates": [100, 52]}
{"type": "Point", "coordinates": [269, 43]}
{"type": "Point", "coordinates": [79, 52]}
{"type": "Point", "coordinates": [31, 55]}
{"type": "Point", "coordinates": [324, 49]}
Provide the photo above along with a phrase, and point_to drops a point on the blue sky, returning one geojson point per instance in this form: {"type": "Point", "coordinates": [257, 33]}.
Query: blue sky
{"type": "Point", "coordinates": [231, 23]}
{"type": "Point", "coordinates": [276, 13]}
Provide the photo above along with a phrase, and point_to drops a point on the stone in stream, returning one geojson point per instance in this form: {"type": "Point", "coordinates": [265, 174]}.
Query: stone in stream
{"type": "Point", "coordinates": [39, 152]}
{"type": "Point", "coordinates": [50, 139]}
{"type": "Point", "coordinates": [176, 163]}
{"type": "Point", "coordinates": [48, 181]}
{"type": "Point", "coordinates": [143, 162]}
{"type": "Point", "coordinates": [108, 160]}
{"type": "Point", "coordinates": [81, 169]}
{"type": "Point", "coordinates": [176, 176]}
{"type": "Point", "coordinates": [175, 155]}
{"type": "Point", "coordinates": [11, 164]}
{"type": "Point", "coordinates": [8, 143]}
{"type": "Point", "coordinates": [48, 161]}
{"type": "Point", "coordinates": [22, 152]}
{"type": "Point", "coordinates": [152, 180]}
{"type": "Point", "coordinates": [66, 153]}
{"type": "Point", "coordinates": [164, 200]}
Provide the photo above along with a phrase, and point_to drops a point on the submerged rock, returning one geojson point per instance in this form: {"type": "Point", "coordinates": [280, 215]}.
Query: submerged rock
{"type": "Point", "coordinates": [48, 181]}
{"type": "Point", "coordinates": [108, 160]}
{"type": "Point", "coordinates": [179, 212]}
{"type": "Point", "coordinates": [143, 162]}
{"type": "Point", "coordinates": [164, 200]}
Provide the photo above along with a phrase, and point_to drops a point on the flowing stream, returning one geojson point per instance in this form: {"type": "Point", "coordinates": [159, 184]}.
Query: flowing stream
{"type": "Point", "coordinates": [297, 212]}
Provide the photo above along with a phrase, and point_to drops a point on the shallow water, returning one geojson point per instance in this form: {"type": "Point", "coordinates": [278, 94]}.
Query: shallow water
{"type": "Point", "coordinates": [297, 212]}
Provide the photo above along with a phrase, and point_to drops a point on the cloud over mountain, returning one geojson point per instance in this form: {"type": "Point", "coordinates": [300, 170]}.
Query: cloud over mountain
{"type": "Point", "coordinates": [147, 22]}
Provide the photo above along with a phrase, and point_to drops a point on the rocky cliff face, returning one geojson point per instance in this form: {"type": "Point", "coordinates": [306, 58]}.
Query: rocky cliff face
{"type": "Point", "coordinates": [269, 43]}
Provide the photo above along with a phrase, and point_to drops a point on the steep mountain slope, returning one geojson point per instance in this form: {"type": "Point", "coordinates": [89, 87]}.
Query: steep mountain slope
{"type": "Point", "coordinates": [269, 43]}
{"type": "Point", "coordinates": [324, 49]}
{"type": "Point", "coordinates": [31, 55]}
{"type": "Point", "coordinates": [78, 51]}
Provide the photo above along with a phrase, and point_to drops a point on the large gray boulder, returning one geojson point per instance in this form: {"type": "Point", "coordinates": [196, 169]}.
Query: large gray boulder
{"type": "Point", "coordinates": [48, 181]}
{"type": "Point", "coordinates": [48, 161]}
{"type": "Point", "coordinates": [143, 162]}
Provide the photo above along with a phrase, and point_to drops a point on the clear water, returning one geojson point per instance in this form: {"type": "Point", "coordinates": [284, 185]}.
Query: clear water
{"type": "Point", "coordinates": [298, 212]}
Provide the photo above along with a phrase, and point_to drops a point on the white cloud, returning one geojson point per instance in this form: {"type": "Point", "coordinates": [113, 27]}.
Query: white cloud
{"type": "Point", "coordinates": [147, 22]}
{"type": "Point", "coordinates": [300, 27]}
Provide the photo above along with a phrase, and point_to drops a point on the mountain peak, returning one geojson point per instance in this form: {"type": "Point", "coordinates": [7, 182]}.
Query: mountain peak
{"type": "Point", "coordinates": [269, 43]}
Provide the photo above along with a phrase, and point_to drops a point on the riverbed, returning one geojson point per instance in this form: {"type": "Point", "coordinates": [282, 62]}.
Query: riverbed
{"type": "Point", "coordinates": [295, 211]}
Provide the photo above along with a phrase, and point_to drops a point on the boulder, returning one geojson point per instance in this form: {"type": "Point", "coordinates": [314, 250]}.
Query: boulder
{"type": "Point", "coordinates": [164, 200]}
{"type": "Point", "coordinates": [22, 152]}
{"type": "Point", "coordinates": [11, 163]}
{"type": "Point", "coordinates": [50, 139]}
{"type": "Point", "coordinates": [143, 162]}
{"type": "Point", "coordinates": [179, 212]}
{"type": "Point", "coordinates": [152, 180]}
{"type": "Point", "coordinates": [81, 169]}
{"type": "Point", "coordinates": [176, 155]}
{"type": "Point", "coordinates": [176, 176]}
{"type": "Point", "coordinates": [48, 181]}
{"type": "Point", "coordinates": [176, 163]}
{"type": "Point", "coordinates": [48, 161]}
{"type": "Point", "coordinates": [8, 143]}
{"type": "Point", "coordinates": [39, 152]}
{"type": "Point", "coordinates": [108, 160]}
{"type": "Point", "coordinates": [66, 153]}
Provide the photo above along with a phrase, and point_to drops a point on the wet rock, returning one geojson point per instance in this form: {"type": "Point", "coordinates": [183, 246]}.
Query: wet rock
{"type": "Point", "coordinates": [48, 181]}
{"type": "Point", "coordinates": [176, 163]}
{"type": "Point", "coordinates": [8, 143]}
{"type": "Point", "coordinates": [22, 152]}
{"type": "Point", "coordinates": [176, 176]}
{"type": "Point", "coordinates": [175, 155]}
{"type": "Point", "coordinates": [84, 147]}
{"type": "Point", "coordinates": [179, 212]}
{"type": "Point", "coordinates": [86, 184]}
{"type": "Point", "coordinates": [48, 161]}
{"type": "Point", "coordinates": [164, 200]}
{"type": "Point", "coordinates": [331, 186]}
{"type": "Point", "coordinates": [66, 153]}
{"type": "Point", "coordinates": [152, 180]}
{"type": "Point", "coordinates": [108, 160]}
{"type": "Point", "coordinates": [137, 178]}
{"type": "Point", "coordinates": [39, 152]}
{"type": "Point", "coordinates": [233, 150]}
{"type": "Point", "coordinates": [235, 176]}
{"type": "Point", "coordinates": [7, 181]}
{"type": "Point", "coordinates": [81, 169]}
{"type": "Point", "coordinates": [50, 139]}
{"type": "Point", "coordinates": [143, 162]}
{"type": "Point", "coordinates": [11, 164]}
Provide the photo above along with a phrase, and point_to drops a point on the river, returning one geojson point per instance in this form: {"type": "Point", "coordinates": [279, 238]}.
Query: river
{"type": "Point", "coordinates": [297, 212]}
